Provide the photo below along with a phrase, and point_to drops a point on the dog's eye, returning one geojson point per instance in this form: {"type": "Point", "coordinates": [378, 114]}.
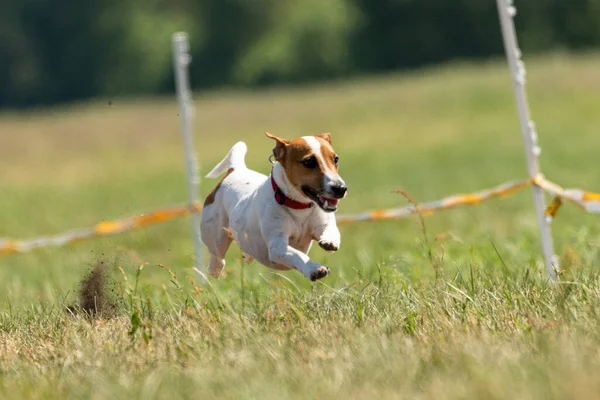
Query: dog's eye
{"type": "Point", "coordinates": [336, 160]}
{"type": "Point", "coordinates": [310, 162]}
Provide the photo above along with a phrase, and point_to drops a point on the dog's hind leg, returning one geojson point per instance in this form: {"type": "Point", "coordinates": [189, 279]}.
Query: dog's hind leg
{"type": "Point", "coordinates": [216, 236]}
{"type": "Point", "coordinates": [217, 253]}
{"type": "Point", "coordinates": [217, 239]}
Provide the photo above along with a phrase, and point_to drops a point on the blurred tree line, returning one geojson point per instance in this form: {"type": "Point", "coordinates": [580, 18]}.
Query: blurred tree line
{"type": "Point", "coordinates": [63, 50]}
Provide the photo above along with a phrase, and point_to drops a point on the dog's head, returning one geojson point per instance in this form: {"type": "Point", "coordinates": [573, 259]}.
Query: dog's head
{"type": "Point", "coordinates": [311, 165]}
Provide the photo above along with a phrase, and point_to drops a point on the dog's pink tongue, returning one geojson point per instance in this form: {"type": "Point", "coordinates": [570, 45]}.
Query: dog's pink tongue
{"type": "Point", "coordinates": [331, 202]}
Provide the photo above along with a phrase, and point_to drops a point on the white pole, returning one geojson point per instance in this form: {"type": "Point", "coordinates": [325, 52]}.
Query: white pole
{"type": "Point", "coordinates": [181, 61]}
{"type": "Point", "coordinates": [507, 11]}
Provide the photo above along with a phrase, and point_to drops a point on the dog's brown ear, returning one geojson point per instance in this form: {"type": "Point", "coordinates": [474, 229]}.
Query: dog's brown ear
{"type": "Point", "coordinates": [325, 136]}
{"type": "Point", "coordinates": [279, 150]}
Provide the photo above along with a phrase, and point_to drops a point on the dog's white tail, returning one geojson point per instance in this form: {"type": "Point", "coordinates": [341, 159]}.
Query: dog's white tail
{"type": "Point", "coordinates": [233, 159]}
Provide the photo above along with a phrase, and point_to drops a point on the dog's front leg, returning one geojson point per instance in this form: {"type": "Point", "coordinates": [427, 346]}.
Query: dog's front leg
{"type": "Point", "coordinates": [328, 235]}
{"type": "Point", "coordinates": [280, 252]}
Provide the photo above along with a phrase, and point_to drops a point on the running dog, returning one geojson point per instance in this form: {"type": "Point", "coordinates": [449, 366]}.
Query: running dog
{"type": "Point", "coordinates": [274, 219]}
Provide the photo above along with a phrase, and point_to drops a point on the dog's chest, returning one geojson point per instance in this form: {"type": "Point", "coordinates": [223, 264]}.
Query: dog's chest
{"type": "Point", "coordinates": [301, 235]}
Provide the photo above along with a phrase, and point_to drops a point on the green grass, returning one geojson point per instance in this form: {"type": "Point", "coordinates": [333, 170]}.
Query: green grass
{"type": "Point", "coordinates": [479, 320]}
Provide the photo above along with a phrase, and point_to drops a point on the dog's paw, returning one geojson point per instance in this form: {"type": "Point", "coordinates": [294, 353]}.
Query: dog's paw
{"type": "Point", "coordinates": [329, 246]}
{"type": "Point", "coordinates": [321, 272]}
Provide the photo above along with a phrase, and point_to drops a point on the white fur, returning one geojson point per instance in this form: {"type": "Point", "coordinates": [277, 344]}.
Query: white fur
{"type": "Point", "coordinates": [245, 209]}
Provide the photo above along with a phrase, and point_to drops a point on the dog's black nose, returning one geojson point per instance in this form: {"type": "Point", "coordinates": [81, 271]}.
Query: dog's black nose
{"type": "Point", "coordinates": [339, 190]}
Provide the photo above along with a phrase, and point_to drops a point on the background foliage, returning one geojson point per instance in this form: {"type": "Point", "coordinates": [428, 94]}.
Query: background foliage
{"type": "Point", "coordinates": [55, 51]}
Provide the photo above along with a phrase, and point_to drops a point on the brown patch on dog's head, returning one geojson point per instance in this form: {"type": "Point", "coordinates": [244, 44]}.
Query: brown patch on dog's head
{"type": "Point", "coordinates": [309, 163]}
{"type": "Point", "coordinates": [325, 137]}
{"type": "Point", "coordinates": [279, 149]}
{"type": "Point", "coordinates": [330, 157]}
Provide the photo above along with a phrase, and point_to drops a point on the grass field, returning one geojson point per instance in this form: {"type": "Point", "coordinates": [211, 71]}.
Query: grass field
{"type": "Point", "coordinates": [475, 320]}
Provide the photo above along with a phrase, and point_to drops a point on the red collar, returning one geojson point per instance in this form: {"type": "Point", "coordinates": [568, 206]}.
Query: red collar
{"type": "Point", "coordinates": [282, 199]}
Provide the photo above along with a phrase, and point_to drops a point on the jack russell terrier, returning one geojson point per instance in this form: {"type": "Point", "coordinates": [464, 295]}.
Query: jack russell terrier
{"type": "Point", "coordinates": [275, 219]}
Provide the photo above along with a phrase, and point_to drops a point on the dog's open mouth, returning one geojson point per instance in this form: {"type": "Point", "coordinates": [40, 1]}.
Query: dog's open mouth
{"type": "Point", "coordinates": [328, 204]}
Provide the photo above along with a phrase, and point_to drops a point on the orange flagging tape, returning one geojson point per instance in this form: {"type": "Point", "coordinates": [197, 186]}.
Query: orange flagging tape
{"type": "Point", "coordinates": [101, 229]}
{"type": "Point", "coordinates": [429, 208]}
{"type": "Point", "coordinates": [587, 200]}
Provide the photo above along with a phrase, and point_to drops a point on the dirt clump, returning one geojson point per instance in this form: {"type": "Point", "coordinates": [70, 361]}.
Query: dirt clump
{"type": "Point", "coordinates": [97, 293]}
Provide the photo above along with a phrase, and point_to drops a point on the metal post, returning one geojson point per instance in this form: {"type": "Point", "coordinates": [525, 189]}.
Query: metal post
{"type": "Point", "coordinates": [507, 11]}
{"type": "Point", "coordinates": [181, 61]}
